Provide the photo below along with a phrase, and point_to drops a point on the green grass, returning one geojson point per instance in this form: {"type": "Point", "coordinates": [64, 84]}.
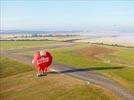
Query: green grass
{"type": "Point", "coordinates": [121, 57]}
{"type": "Point", "coordinates": [5, 45]}
{"type": "Point", "coordinates": [124, 76]}
{"type": "Point", "coordinates": [10, 67]}
{"type": "Point", "coordinates": [69, 57]}
{"type": "Point", "coordinates": [25, 85]}
{"type": "Point", "coordinates": [124, 56]}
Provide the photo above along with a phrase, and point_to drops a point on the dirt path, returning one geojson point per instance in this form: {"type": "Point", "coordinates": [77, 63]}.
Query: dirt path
{"type": "Point", "coordinates": [88, 75]}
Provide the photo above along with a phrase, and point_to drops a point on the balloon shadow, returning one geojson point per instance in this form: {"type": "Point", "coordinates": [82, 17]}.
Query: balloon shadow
{"type": "Point", "coordinates": [53, 72]}
{"type": "Point", "coordinates": [72, 70]}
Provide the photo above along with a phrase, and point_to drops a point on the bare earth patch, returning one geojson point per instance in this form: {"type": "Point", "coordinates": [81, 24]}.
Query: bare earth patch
{"type": "Point", "coordinates": [93, 51]}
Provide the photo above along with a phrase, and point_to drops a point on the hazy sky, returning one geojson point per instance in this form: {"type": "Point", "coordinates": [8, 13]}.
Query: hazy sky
{"type": "Point", "coordinates": [65, 15]}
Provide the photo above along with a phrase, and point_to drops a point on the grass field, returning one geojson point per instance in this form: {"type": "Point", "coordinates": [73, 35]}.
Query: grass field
{"type": "Point", "coordinates": [99, 56]}
{"type": "Point", "coordinates": [93, 56]}
{"type": "Point", "coordinates": [19, 82]}
{"type": "Point", "coordinates": [124, 56]}
{"type": "Point", "coordinates": [10, 67]}
{"type": "Point", "coordinates": [125, 75]}
{"type": "Point", "coordinates": [5, 45]}
{"type": "Point", "coordinates": [89, 58]}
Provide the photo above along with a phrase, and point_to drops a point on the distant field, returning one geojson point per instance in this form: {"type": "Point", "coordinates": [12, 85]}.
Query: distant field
{"type": "Point", "coordinates": [5, 45]}
{"type": "Point", "coordinates": [19, 82]}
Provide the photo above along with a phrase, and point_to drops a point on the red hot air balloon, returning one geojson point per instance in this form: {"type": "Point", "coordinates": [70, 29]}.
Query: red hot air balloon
{"type": "Point", "coordinates": [42, 60]}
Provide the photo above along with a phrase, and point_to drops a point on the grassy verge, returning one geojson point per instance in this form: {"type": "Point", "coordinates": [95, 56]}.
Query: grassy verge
{"type": "Point", "coordinates": [124, 76]}
{"type": "Point", "coordinates": [26, 86]}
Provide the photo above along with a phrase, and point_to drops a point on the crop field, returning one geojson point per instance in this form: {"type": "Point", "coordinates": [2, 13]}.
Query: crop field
{"type": "Point", "coordinates": [19, 82]}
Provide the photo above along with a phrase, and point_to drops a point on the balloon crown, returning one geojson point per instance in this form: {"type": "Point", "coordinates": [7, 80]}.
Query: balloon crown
{"type": "Point", "coordinates": [42, 53]}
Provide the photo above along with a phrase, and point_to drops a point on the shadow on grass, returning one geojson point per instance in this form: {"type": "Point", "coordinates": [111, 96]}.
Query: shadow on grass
{"type": "Point", "coordinates": [71, 70]}
{"type": "Point", "coordinates": [53, 72]}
